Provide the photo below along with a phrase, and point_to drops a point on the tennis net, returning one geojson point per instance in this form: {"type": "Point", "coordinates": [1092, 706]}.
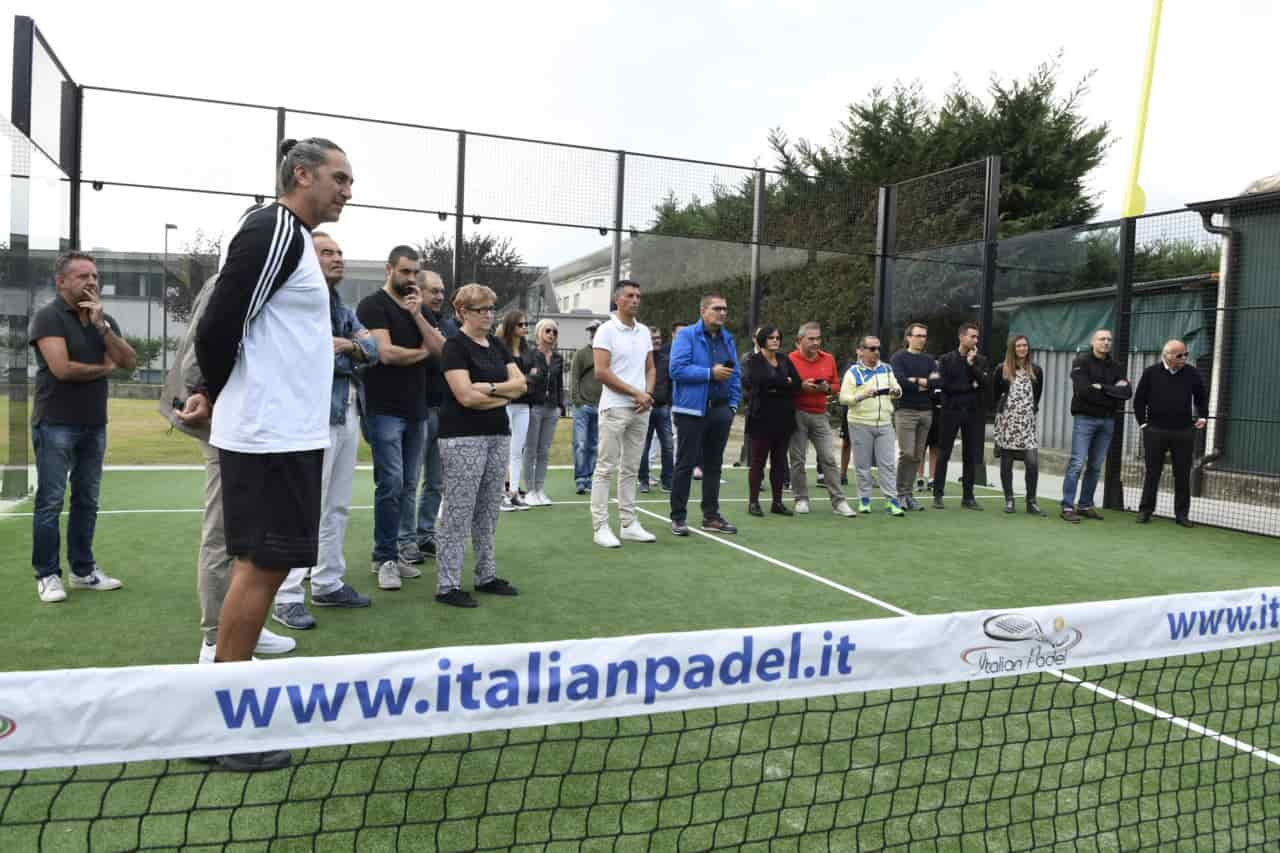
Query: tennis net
{"type": "Point", "coordinates": [1126, 725]}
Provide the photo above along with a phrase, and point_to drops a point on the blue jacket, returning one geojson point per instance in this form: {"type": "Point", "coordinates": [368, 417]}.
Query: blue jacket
{"type": "Point", "coordinates": [690, 371]}
{"type": "Point", "coordinates": [346, 369]}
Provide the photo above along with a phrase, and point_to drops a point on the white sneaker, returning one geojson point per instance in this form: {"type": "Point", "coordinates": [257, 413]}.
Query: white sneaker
{"type": "Point", "coordinates": [407, 569]}
{"type": "Point", "coordinates": [605, 539]}
{"type": "Point", "coordinates": [97, 579]}
{"type": "Point", "coordinates": [531, 499]}
{"type": "Point", "coordinates": [389, 575]}
{"type": "Point", "coordinates": [802, 506]}
{"type": "Point", "coordinates": [633, 532]}
{"type": "Point", "coordinates": [270, 643]}
{"type": "Point", "coordinates": [50, 589]}
{"type": "Point", "coordinates": [543, 500]}
{"type": "Point", "coordinates": [208, 653]}
{"type": "Point", "coordinates": [841, 508]}
{"type": "Point", "coordinates": [507, 505]}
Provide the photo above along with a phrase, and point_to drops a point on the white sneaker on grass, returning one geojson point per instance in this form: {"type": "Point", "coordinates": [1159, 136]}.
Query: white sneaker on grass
{"type": "Point", "coordinates": [843, 508]}
{"type": "Point", "coordinates": [50, 589]}
{"type": "Point", "coordinates": [605, 539]}
{"type": "Point", "coordinates": [633, 532]}
{"type": "Point", "coordinates": [271, 643]}
{"type": "Point", "coordinates": [208, 653]}
{"type": "Point", "coordinates": [388, 575]}
{"type": "Point", "coordinates": [96, 580]}
{"type": "Point", "coordinates": [802, 506]}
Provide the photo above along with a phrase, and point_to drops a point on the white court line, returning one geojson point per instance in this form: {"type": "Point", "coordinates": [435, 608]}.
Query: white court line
{"type": "Point", "coordinates": [1151, 710]}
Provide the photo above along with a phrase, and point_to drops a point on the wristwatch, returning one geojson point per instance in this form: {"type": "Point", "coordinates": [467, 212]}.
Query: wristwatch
{"type": "Point", "coordinates": [493, 390]}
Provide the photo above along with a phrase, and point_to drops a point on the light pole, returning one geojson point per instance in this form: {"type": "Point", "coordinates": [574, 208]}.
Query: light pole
{"type": "Point", "coordinates": [164, 303]}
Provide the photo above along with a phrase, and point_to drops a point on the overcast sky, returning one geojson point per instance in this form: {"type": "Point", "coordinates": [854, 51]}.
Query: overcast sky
{"type": "Point", "coordinates": [702, 80]}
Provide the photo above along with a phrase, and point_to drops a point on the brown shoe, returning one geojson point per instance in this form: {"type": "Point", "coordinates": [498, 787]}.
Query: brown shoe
{"type": "Point", "coordinates": [1091, 514]}
{"type": "Point", "coordinates": [1071, 516]}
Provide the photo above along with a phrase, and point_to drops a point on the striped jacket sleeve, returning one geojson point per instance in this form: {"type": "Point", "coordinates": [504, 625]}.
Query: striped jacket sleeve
{"type": "Point", "coordinates": [263, 254]}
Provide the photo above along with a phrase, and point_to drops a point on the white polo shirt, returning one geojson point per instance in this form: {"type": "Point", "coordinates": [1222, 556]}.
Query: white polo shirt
{"type": "Point", "coordinates": [629, 348]}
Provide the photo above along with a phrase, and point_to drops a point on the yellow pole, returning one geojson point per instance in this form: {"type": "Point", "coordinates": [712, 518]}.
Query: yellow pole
{"type": "Point", "coordinates": [1135, 200]}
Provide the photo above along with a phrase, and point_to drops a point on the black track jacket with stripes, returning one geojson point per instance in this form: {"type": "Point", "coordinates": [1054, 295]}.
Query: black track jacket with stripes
{"type": "Point", "coordinates": [263, 254]}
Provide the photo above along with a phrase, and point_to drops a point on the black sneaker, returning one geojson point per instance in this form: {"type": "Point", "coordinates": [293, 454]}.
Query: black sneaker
{"type": "Point", "coordinates": [427, 547]}
{"type": "Point", "coordinates": [456, 598]}
{"type": "Point", "coordinates": [1033, 508]}
{"type": "Point", "coordinates": [343, 596]}
{"type": "Point", "coordinates": [497, 586]}
{"type": "Point", "coordinates": [844, 479]}
{"type": "Point", "coordinates": [937, 502]}
{"type": "Point", "coordinates": [718, 525]}
{"type": "Point", "coordinates": [644, 488]}
{"type": "Point", "coordinates": [780, 509]}
{"type": "Point", "coordinates": [253, 762]}
{"type": "Point", "coordinates": [581, 490]}
{"type": "Point", "coordinates": [753, 508]}
{"type": "Point", "coordinates": [970, 503]}
{"type": "Point", "coordinates": [1143, 517]}
{"type": "Point", "coordinates": [679, 528]}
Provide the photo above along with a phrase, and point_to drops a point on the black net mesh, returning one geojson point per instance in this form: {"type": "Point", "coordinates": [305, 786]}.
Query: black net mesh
{"type": "Point", "coordinates": [1036, 762]}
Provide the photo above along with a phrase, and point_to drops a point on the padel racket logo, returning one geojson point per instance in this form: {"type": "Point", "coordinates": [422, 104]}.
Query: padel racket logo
{"type": "Point", "coordinates": [7, 727]}
{"type": "Point", "coordinates": [1025, 645]}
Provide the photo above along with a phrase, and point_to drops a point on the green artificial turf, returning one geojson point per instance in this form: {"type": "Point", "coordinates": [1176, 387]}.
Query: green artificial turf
{"type": "Point", "coordinates": [1010, 764]}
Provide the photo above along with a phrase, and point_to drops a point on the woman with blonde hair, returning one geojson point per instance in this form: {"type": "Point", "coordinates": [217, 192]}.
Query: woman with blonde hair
{"type": "Point", "coordinates": [1018, 385]}
{"type": "Point", "coordinates": [513, 331]}
{"type": "Point", "coordinates": [475, 442]}
{"type": "Point", "coordinates": [544, 371]}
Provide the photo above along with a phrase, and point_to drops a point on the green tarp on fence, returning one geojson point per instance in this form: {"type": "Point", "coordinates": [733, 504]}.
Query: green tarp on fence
{"type": "Point", "coordinates": [1067, 325]}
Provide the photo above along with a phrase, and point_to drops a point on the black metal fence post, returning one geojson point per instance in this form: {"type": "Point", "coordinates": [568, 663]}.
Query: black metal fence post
{"type": "Point", "coordinates": [886, 245]}
{"type": "Point", "coordinates": [1113, 481]}
{"type": "Point", "coordinates": [757, 229]}
{"type": "Point", "coordinates": [619, 187]}
{"type": "Point", "coordinates": [987, 296]}
{"type": "Point", "coordinates": [459, 210]}
{"type": "Point", "coordinates": [69, 154]}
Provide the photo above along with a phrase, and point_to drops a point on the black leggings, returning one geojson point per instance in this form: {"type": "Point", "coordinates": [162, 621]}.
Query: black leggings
{"type": "Point", "coordinates": [1031, 463]}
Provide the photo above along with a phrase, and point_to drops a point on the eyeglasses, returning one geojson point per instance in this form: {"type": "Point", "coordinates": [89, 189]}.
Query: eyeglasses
{"type": "Point", "coordinates": [1181, 354]}
{"type": "Point", "coordinates": [482, 309]}
{"type": "Point", "coordinates": [872, 349]}
{"type": "Point", "coordinates": [717, 307]}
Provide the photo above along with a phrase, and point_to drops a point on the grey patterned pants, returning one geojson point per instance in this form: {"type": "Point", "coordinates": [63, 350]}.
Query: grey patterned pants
{"type": "Point", "coordinates": [474, 469]}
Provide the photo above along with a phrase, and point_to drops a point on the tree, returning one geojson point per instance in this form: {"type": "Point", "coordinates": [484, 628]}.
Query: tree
{"type": "Point", "coordinates": [489, 259]}
{"type": "Point", "coordinates": [183, 280]}
{"type": "Point", "coordinates": [1046, 145]}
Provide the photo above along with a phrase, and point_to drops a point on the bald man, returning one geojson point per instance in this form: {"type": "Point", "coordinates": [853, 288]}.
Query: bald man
{"type": "Point", "coordinates": [1099, 389]}
{"type": "Point", "coordinates": [1171, 403]}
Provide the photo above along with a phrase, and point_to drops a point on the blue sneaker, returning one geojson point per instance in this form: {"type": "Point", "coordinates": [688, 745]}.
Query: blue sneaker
{"type": "Point", "coordinates": [343, 596]}
{"type": "Point", "coordinates": [864, 505]}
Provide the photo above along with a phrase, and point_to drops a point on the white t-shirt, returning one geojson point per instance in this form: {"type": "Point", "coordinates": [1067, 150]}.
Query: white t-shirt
{"type": "Point", "coordinates": [278, 395]}
{"type": "Point", "coordinates": [629, 347]}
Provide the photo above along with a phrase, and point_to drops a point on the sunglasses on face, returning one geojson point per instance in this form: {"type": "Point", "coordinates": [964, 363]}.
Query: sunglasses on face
{"type": "Point", "coordinates": [1181, 354]}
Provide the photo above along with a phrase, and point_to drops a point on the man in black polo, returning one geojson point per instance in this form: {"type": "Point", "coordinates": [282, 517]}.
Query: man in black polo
{"type": "Point", "coordinates": [1162, 405]}
{"type": "Point", "coordinates": [76, 346]}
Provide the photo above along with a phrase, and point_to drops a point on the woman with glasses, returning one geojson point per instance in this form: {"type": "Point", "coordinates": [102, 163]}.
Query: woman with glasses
{"type": "Point", "coordinates": [544, 371]}
{"type": "Point", "coordinates": [513, 331]}
{"type": "Point", "coordinates": [1018, 385]}
{"type": "Point", "coordinates": [771, 417]}
{"type": "Point", "coordinates": [475, 441]}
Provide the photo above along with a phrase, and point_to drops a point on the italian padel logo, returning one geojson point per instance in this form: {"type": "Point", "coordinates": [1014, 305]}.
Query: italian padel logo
{"type": "Point", "coordinates": [1023, 645]}
{"type": "Point", "coordinates": [7, 727]}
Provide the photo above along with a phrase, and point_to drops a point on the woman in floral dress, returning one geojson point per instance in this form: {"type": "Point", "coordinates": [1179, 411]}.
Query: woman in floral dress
{"type": "Point", "coordinates": [1018, 385]}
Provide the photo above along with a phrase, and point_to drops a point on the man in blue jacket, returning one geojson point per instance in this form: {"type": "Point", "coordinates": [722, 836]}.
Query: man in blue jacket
{"type": "Point", "coordinates": [706, 386]}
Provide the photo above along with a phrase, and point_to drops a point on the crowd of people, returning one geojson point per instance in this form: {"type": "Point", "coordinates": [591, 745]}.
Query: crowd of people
{"type": "Point", "coordinates": [277, 378]}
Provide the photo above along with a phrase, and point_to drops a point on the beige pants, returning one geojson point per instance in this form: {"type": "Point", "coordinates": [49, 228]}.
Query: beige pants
{"type": "Point", "coordinates": [213, 569]}
{"type": "Point", "coordinates": [622, 434]}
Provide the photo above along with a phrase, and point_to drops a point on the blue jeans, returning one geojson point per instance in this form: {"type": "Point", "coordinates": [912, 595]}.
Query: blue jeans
{"type": "Point", "coordinates": [62, 450]}
{"type": "Point", "coordinates": [432, 483]}
{"type": "Point", "coordinates": [660, 423]}
{"type": "Point", "coordinates": [1090, 438]}
{"type": "Point", "coordinates": [586, 439]}
{"type": "Point", "coordinates": [397, 452]}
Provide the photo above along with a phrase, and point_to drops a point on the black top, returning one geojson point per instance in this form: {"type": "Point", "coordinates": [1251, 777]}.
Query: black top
{"type": "Point", "coordinates": [398, 391]}
{"type": "Point", "coordinates": [544, 378]}
{"type": "Point", "coordinates": [772, 408]}
{"type": "Point", "coordinates": [1163, 399]}
{"type": "Point", "coordinates": [483, 364]}
{"type": "Point", "coordinates": [962, 382]}
{"type": "Point", "coordinates": [662, 380]}
{"type": "Point", "coordinates": [1002, 385]}
{"type": "Point", "coordinates": [71, 403]}
{"type": "Point", "coordinates": [1089, 370]}
{"type": "Point", "coordinates": [907, 367]}
{"type": "Point", "coordinates": [437, 388]}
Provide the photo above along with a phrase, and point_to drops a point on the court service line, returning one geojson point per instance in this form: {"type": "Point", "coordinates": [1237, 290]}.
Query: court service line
{"type": "Point", "coordinates": [1150, 710]}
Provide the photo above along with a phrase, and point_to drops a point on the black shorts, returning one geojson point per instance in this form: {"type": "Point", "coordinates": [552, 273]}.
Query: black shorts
{"type": "Point", "coordinates": [934, 426]}
{"type": "Point", "coordinates": [271, 507]}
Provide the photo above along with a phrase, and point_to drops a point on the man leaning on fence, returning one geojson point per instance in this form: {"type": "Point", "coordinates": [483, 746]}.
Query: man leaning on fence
{"type": "Point", "coordinates": [76, 346]}
{"type": "Point", "coordinates": [1162, 406]}
{"type": "Point", "coordinates": [1099, 390]}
